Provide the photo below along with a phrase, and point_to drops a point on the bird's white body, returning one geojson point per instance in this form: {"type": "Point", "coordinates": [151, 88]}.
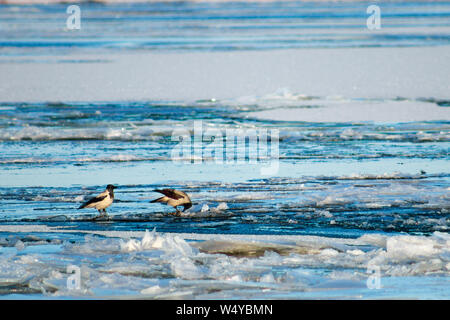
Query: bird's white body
{"type": "Point", "coordinates": [174, 202]}
{"type": "Point", "coordinates": [174, 198]}
{"type": "Point", "coordinates": [102, 201]}
{"type": "Point", "coordinates": [103, 204]}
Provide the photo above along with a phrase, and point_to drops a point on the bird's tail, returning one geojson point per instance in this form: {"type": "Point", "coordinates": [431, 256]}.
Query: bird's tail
{"type": "Point", "coordinates": [157, 200]}
{"type": "Point", "coordinates": [82, 206]}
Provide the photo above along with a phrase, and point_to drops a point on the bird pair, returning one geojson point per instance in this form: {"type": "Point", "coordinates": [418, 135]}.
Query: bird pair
{"type": "Point", "coordinates": [171, 197]}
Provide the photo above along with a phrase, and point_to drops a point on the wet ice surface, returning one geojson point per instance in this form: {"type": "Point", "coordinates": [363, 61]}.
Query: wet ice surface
{"type": "Point", "coordinates": [360, 200]}
{"type": "Point", "coordinates": [373, 196]}
{"type": "Point", "coordinates": [346, 206]}
{"type": "Point", "coordinates": [166, 266]}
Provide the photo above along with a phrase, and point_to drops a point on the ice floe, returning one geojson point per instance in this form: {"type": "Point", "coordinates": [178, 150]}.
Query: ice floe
{"type": "Point", "coordinates": [166, 265]}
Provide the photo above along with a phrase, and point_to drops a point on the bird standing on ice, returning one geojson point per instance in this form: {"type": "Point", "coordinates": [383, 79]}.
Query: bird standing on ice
{"type": "Point", "coordinates": [174, 198]}
{"type": "Point", "coordinates": [102, 201]}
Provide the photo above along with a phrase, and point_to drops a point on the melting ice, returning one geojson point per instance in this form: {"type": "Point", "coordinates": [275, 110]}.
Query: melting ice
{"type": "Point", "coordinates": [163, 265]}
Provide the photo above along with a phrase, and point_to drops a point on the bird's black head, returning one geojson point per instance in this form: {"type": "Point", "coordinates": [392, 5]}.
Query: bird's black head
{"type": "Point", "coordinates": [110, 187]}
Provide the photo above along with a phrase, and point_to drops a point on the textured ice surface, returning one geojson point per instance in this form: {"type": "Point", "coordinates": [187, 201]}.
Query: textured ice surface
{"type": "Point", "coordinates": [77, 113]}
{"type": "Point", "coordinates": [327, 205]}
{"type": "Point", "coordinates": [166, 266]}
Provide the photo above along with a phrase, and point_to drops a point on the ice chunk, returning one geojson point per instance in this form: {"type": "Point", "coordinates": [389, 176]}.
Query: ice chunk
{"type": "Point", "coordinates": [268, 278]}
{"type": "Point", "coordinates": [356, 252]}
{"type": "Point", "coordinates": [324, 213]}
{"type": "Point", "coordinates": [185, 268]}
{"type": "Point", "coordinates": [407, 247]}
{"type": "Point", "coordinates": [329, 200]}
{"type": "Point", "coordinates": [374, 239]}
{"type": "Point", "coordinates": [151, 290]}
{"type": "Point", "coordinates": [222, 206]}
{"type": "Point", "coordinates": [329, 252]}
{"type": "Point", "coordinates": [235, 278]}
{"type": "Point", "coordinates": [19, 245]}
{"type": "Point", "coordinates": [153, 240]}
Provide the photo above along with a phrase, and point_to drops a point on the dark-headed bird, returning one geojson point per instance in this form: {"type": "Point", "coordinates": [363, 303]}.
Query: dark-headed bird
{"type": "Point", "coordinates": [102, 201]}
{"type": "Point", "coordinates": [174, 198]}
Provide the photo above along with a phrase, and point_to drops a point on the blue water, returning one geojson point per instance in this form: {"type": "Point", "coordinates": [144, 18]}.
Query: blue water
{"type": "Point", "coordinates": [41, 29]}
{"type": "Point", "coordinates": [56, 155]}
{"type": "Point", "coordinates": [340, 180]}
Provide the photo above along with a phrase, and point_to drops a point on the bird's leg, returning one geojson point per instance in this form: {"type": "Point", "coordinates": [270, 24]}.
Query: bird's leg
{"type": "Point", "coordinates": [176, 213]}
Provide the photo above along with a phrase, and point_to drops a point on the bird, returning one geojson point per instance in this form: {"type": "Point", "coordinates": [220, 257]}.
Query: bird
{"type": "Point", "coordinates": [102, 201]}
{"type": "Point", "coordinates": [174, 198]}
